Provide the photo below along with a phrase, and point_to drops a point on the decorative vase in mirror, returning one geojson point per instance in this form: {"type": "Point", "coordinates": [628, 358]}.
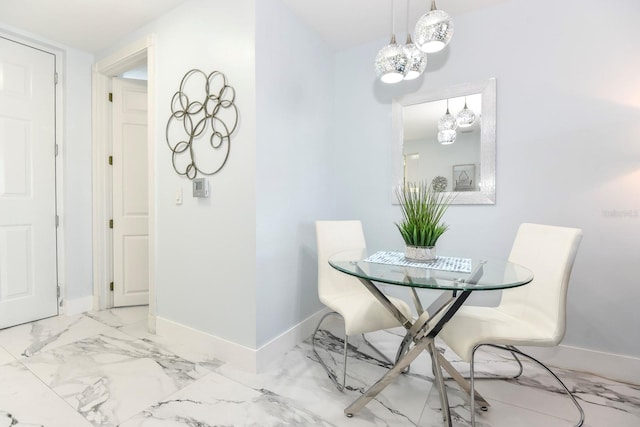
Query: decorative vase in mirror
{"type": "Point", "coordinates": [422, 210]}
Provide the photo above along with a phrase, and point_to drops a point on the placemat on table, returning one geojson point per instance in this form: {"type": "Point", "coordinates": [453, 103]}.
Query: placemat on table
{"type": "Point", "coordinates": [446, 263]}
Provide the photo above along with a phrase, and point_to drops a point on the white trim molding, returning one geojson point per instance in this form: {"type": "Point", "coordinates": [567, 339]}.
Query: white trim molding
{"type": "Point", "coordinates": [142, 51]}
{"type": "Point", "coordinates": [607, 365]}
{"type": "Point", "coordinates": [237, 355]}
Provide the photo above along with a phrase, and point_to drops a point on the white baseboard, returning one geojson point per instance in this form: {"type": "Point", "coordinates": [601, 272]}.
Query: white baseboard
{"type": "Point", "coordinates": [239, 356]}
{"type": "Point", "coordinates": [235, 354]}
{"type": "Point", "coordinates": [78, 305]}
{"type": "Point", "coordinates": [278, 346]}
{"type": "Point", "coordinates": [608, 365]}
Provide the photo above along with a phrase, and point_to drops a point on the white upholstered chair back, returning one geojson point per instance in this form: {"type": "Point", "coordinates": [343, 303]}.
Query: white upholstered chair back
{"type": "Point", "coordinates": [333, 237]}
{"type": "Point", "coordinates": [549, 252]}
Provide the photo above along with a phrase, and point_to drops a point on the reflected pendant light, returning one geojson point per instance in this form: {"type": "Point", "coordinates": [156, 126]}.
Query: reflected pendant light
{"type": "Point", "coordinates": [446, 137]}
{"type": "Point", "coordinates": [391, 60]}
{"type": "Point", "coordinates": [447, 128]}
{"type": "Point", "coordinates": [433, 30]}
{"type": "Point", "coordinates": [465, 117]}
{"type": "Point", "coordinates": [416, 59]}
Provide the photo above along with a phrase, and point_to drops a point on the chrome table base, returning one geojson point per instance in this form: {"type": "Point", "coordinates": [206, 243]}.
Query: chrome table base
{"type": "Point", "coordinates": [421, 333]}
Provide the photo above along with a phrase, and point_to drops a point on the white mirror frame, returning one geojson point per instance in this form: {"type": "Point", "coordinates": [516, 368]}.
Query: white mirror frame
{"type": "Point", "coordinates": [487, 194]}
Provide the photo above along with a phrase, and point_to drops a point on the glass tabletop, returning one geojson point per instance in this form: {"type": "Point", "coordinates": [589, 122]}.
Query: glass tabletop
{"type": "Point", "coordinates": [483, 274]}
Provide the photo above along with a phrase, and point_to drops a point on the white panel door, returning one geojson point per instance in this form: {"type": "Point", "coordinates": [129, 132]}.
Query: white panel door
{"type": "Point", "coordinates": [28, 271]}
{"type": "Point", "coordinates": [130, 195]}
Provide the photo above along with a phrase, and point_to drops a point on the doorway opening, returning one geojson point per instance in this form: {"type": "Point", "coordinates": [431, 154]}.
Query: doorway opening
{"type": "Point", "coordinates": [131, 57]}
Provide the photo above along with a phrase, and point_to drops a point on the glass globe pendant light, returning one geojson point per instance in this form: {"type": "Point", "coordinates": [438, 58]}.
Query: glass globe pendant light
{"type": "Point", "coordinates": [465, 117]}
{"type": "Point", "coordinates": [391, 60]}
{"type": "Point", "coordinates": [433, 30]}
{"type": "Point", "coordinates": [447, 128]}
{"type": "Point", "coordinates": [416, 59]}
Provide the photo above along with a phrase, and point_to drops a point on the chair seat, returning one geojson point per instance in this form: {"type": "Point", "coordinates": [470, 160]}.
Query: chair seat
{"type": "Point", "coordinates": [362, 312]}
{"type": "Point", "coordinates": [488, 325]}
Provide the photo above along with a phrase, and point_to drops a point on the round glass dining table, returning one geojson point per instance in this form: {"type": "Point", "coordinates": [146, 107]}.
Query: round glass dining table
{"type": "Point", "coordinates": [481, 273]}
{"type": "Point", "coordinates": [455, 277]}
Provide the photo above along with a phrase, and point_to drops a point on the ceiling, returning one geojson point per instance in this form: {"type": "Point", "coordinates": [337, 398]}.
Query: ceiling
{"type": "Point", "coordinates": [94, 25]}
{"type": "Point", "coordinates": [348, 23]}
{"type": "Point", "coordinates": [88, 25]}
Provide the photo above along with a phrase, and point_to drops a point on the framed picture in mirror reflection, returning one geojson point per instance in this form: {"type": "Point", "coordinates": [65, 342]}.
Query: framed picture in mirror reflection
{"type": "Point", "coordinates": [464, 178]}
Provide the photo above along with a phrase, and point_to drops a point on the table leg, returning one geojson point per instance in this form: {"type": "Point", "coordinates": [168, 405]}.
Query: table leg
{"type": "Point", "coordinates": [416, 301]}
{"type": "Point", "coordinates": [388, 378]}
{"type": "Point", "coordinates": [439, 381]}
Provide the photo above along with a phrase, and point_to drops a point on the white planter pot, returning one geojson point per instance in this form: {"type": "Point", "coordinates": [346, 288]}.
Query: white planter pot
{"type": "Point", "coordinates": [420, 253]}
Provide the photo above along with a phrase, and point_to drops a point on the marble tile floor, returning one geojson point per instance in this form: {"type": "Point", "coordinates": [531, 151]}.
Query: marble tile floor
{"type": "Point", "coordinates": [105, 369]}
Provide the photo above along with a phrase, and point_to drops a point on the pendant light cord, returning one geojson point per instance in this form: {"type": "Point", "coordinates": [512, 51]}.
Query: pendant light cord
{"type": "Point", "coordinates": [393, 19]}
{"type": "Point", "coordinates": [407, 15]}
{"type": "Point", "coordinates": [407, 23]}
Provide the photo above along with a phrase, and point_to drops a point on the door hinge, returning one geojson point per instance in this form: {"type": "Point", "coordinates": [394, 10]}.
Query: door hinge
{"type": "Point", "coordinates": [111, 286]}
{"type": "Point", "coordinates": [110, 96]}
{"type": "Point", "coordinates": [57, 221]}
{"type": "Point", "coordinates": [56, 150]}
{"type": "Point", "coordinates": [110, 223]}
{"type": "Point", "coordinates": [58, 291]}
{"type": "Point", "coordinates": [55, 78]}
{"type": "Point", "coordinates": [111, 160]}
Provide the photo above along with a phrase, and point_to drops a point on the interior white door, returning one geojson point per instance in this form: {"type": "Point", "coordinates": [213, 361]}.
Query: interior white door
{"type": "Point", "coordinates": [28, 270]}
{"type": "Point", "coordinates": [412, 170]}
{"type": "Point", "coordinates": [130, 194]}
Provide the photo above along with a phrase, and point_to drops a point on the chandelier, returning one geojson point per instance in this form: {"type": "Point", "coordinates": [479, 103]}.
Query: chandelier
{"type": "Point", "coordinates": [433, 31]}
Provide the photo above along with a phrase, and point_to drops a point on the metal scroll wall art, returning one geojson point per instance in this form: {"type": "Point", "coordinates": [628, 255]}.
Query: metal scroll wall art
{"type": "Point", "coordinates": [203, 117]}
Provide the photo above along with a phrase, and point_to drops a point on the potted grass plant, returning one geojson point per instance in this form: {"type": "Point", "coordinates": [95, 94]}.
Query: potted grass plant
{"type": "Point", "coordinates": [422, 210]}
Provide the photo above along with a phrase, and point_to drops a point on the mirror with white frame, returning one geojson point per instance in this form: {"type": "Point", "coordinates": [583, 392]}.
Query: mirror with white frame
{"type": "Point", "coordinates": [465, 166]}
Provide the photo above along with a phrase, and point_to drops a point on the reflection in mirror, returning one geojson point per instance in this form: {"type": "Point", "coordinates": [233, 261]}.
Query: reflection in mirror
{"type": "Point", "coordinates": [454, 152]}
{"type": "Point", "coordinates": [452, 162]}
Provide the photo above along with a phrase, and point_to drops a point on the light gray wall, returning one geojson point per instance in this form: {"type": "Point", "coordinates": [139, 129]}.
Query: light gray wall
{"type": "Point", "coordinates": [206, 248]}
{"type": "Point", "coordinates": [294, 160]}
{"type": "Point", "coordinates": [568, 146]}
{"type": "Point", "coordinates": [253, 240]}
{"type": "Point", "coordinates": [205, 276]}
{"type": "Point", "coordinates": [242, 265]}
{"type": "Point", "coordinates": [77, 175]}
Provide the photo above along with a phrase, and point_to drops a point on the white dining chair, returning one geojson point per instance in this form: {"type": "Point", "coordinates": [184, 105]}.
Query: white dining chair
{"type": "Point", "coordinates": [345, 295]}
{"type": "Point", "coordinates": [529, 315]}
